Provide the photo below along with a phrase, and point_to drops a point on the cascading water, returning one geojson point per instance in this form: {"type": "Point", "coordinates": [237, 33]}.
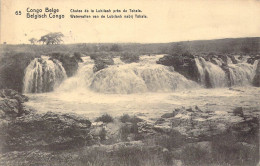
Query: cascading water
{"type": "Point", "coordinates": [241, 73]}
{"type": "Point", "coordinates": [82, 79]}
{"type": "Point", "coordinates": [43, 75]}
{"type": "Point", "coordinates": [211, 75]}
{"type": "Point", "coordinates": [121, 86]}
{"type": "Point", "coordinates": [128, 78]}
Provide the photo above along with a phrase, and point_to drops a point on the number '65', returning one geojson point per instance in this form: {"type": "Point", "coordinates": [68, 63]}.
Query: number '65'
{"type": "Point", "coordinates": [18, 12]}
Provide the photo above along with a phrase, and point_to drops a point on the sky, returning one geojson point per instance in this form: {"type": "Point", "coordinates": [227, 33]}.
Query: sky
{"type": "Point", "coordinates": [168, 21]}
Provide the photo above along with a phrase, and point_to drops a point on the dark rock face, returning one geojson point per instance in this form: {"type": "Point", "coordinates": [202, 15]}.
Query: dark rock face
{"type": "Point", "coordinates": [256, 79]}
{"type": "Point", "coordinates": [102, 62]}
{"type": "Point", "coordinates": [12, 67]}
{"type": "Point", "coordinates": [10, 104]}
{"type": "Point", "coordinates": [69, 62]}
{"type": "Point", "coordinates": [22, 129]}
{"type": "Point", "coordinates": [184, 65]}
{"type": "Point", "coordinates": [253, 59]}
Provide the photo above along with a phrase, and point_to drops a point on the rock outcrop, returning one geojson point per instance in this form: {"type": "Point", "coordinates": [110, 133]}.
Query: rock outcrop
{"type": "Point", "coordinates": [11, 104]}
{"type": "Point", "coordinates": [22, 128]}
{"type": "Point", "coordinates": [102, 62]}
{"type": "Point", "coordinates": [52, 131]}
{"type": "Point", "coordinates": [256, 80]}
{"type": "Point", "coordinates": [184, 65]}
{"type": "Point", "coordinates": [12, 66]}
{"type": "Point", "coordinates": [69, 62]}
{"type": "Point", "coordinates": [203, 125]}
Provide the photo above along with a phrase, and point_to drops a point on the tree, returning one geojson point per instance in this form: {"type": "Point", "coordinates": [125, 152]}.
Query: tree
{"type": "Point", "coordinates": [33, 40]}
{"type": "Point", "coordinates": [115, 48]}
{"type": "Point", "coordinates": [178, 48]}
{"type": "Point", "coordinates": [52, 38]}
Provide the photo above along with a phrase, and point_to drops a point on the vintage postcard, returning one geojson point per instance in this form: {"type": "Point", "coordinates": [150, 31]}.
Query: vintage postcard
{"type": "Point", "coordinates": [129, 83]}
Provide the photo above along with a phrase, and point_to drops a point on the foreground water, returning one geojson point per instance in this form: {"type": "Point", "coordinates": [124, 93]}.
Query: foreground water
{"type": "Point", "coordinates": [148, 105]}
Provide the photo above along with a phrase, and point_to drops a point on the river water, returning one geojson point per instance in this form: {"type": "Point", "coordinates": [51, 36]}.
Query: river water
{"type": "Point", "coordinates": [145, 89]}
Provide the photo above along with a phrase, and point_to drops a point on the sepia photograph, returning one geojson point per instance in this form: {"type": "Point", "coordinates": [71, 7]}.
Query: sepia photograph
{"type": "Point", "coordinates": [129, 83]}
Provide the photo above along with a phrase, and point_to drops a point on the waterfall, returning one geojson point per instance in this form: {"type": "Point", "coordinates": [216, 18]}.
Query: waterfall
{"type": "Point", "coordinates": [133, 78]}
{"type": "Point", "coordinates": [145, 76]}
{"type": "Point", "coordinates": [43, 75]}
{"type": "Point", "coordinates": [82, 79]}
{"type": "Point", "coordinates": [242, 73]}
{"type": "Point", "coordinates": [211, 75]}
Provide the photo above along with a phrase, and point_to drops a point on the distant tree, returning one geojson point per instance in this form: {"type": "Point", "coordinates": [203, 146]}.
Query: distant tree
{"type": "Point", "coordinates": [178, 49]}
{"type": "Point", "coordinates": [52, 38]}
{"type": "Point", "coordinates": [115, 47]}
{"type": "Point", "coordinates": [33, 40]}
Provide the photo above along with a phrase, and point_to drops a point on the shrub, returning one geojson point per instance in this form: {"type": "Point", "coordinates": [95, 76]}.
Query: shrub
{"type": "Point", "coordinates": [126, 130]}
{"type": "Point", "coordinates": [105, 119]}
{"type": "Point", "coordinates": [132, 119]}
{"type": "Point", "coordinates": [102, 134]}
{"type": "Point", "coordinates": [194, 155]}
{"type": "Point", "coordinates": [139, 156]}
{"type": "Point", "coordinates": [128, 57]}
{"type": "Point", "coordinates": [227, 150]}
{"type": "Point", "coordinates": [93, 157]}
{"type": "Point", "coordinates": [173, 140]}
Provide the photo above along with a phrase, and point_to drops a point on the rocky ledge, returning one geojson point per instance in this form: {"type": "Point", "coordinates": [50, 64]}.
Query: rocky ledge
{"type": "Point", "coordinates": [22, 128]}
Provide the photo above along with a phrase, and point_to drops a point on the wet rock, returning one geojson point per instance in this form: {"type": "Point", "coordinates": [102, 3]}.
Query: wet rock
{"type": "Point", "coordinates": [69, 62]}
{"type": "Point", "coordinates": [102, 62]}
{"type": "Point", "coordinates": [183, 64]}
{"type": "Point", "coordinates": [256, 79]}
{"type": "Point", "coordinates": [252, 59]}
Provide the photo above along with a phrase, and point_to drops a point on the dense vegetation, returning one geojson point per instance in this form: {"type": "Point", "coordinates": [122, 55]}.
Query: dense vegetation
{"type": "Point", "coordinates": [235, 46]}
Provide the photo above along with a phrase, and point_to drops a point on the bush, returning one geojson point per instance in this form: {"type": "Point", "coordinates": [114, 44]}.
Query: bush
{"type": "Point", "coordinates": [126, 118]}
{"type": "Point", "coordinates": [139, 156]}
{"type": "Point", "coordinates": [173, 140]}
{"type": "Point", "coordinates": [227, 150]}
{"type": "Point", "coordinates": [105, 119]}
{"type": "Point", "coordinates": [193, 155]}
{"type": "Point", "coordinates": [102, 134]}
{"type": "Point", "coordinates": [93, 157]}
{"type": "Point", "coordinates": [128, 57]}
{"type": "Point", "coordinates": [126, 130]}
